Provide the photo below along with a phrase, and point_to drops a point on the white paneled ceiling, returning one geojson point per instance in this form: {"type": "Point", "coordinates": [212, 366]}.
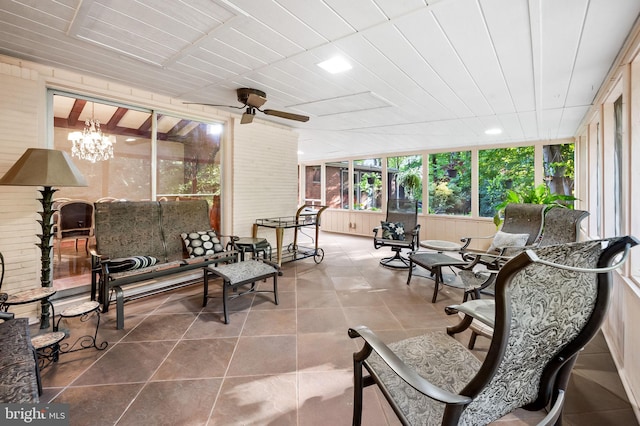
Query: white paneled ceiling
{"type": "Point", "coordinates": [425, 73]}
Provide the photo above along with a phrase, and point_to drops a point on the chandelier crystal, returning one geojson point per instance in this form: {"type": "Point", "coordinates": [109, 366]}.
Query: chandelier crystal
{"type": "Point", "coordinates": [91, 144]}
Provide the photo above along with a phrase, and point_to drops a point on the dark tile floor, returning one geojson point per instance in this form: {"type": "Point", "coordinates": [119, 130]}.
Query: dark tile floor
{"type": "Point", "coordinates": [176, 363]}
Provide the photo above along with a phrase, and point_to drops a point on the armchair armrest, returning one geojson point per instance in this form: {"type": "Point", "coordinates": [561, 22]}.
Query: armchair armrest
{"type": "Point", "coordinates": [467, 240]}
{"type": "Point", "coordinates": [404, 371]}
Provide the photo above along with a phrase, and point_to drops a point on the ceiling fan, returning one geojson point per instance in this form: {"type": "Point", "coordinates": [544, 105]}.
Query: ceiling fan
{"type": "Point", "coordinates": [252, 100]}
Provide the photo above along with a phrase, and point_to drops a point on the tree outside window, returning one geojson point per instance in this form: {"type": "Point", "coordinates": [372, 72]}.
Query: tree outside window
{"type": "Point", "coordinates": [450, 183]}
{"type": "Point", "coordinates": [501, 170]}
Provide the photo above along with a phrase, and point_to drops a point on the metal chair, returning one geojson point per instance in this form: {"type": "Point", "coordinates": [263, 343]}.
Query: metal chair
{"type": "Point", "coordinates": [540, 327]}
{"type": "Point", "coordinates": [561, 225]}
{"type": "Point", "coordinates": [400, 231]}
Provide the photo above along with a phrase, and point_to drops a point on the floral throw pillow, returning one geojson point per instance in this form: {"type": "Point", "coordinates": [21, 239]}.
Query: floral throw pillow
{"type": "Point", "coordinates": [505, 239]}
{"type": "Point", "coordinates": [393, 230]}
{"type": "Point", "coordinates": [202, 243]}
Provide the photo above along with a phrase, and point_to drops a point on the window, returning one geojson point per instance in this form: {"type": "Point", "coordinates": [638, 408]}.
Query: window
{"type": "Point", "coordinates": [450, 183]}
{"type": "Point", "coordinates": [337, 185]}
{"type": "Point", "coordinates": [617, 166]}
{"type": "Point", "coordinates": [313, 187]}
{"type": "Point", "coordinates": [367, 184]}
{"type": "Point", "coordinates": [128, 174]}
{"type": "Point", "coordinates": [501, 170]}
{"type": "Point", "coordinates": [404, 178]}
{"type": "Point", "coordinates": [559, 168]}
{"type": "Point", "coordinates": [188, 159]}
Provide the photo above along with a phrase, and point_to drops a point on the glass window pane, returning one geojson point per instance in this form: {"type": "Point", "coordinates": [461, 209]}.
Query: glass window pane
{"type": "Point", "coordinates": [337, 185]}
{"type": "Point", "coordinates": [617, 166]}
{"type": "Point", "coordinates": [189, 161]}
{"type": "Point", "coordinates": [450, 183]}
{"type": "Point", "coordinates": [501, 170]}
{"type": "Point", "coordinates": [313, 189]}
{"type": "Point", "coordinates": [367, 184]}
{"type": "Point", "coordinates": [404, 178]}
{"type": "Point", "coordinates": [559, 168]}
{"type": "Point", "coordinates": [125, 176]}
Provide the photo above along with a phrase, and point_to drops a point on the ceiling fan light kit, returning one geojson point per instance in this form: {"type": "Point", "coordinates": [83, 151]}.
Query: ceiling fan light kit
{"type": "Point", "coordinates": [252, 100]}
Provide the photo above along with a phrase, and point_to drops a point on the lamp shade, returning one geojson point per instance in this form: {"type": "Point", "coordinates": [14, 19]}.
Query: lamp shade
{"type": "Point", "coordinates": [44, 167]}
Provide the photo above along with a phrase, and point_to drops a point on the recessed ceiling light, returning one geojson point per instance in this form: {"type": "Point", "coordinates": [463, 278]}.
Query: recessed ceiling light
{"type": "Point", "coordinates": [335, 65]}
{"type": "Point", "coordinates": [494, 131]}
{"type": "Point", "coordinates": [130, 139]}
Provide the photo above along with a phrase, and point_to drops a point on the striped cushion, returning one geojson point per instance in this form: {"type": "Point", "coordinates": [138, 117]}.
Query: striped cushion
{"type": "Point", "coordinates": [130, 263]}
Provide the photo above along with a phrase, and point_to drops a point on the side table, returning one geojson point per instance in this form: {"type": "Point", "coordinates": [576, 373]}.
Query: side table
{"type": "Point", "coordinates": [255, 246]}
{"type": "Point", "coordinates": [440, 245]}
{"type": "Point", "coordinates": [85, 311]}
{"type": "Point", "coordinates": [47, 347]}
{"type": "Point", "coordinates": [40, 294]}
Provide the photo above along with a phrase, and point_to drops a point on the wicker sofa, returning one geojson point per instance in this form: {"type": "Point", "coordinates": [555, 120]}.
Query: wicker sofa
{"type": "Point", "coordinates": [140, 249]}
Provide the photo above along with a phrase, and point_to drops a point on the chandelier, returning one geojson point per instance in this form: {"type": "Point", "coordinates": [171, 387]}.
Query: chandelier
{"type": "Point", "coordinates": [91, 144]}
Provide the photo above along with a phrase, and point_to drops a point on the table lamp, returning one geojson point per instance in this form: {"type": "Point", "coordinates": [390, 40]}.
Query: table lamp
{"type": "Point", "coordinates": [46, 168]}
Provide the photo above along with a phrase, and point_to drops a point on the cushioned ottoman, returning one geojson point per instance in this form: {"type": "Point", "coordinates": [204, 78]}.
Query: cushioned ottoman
{"type": "Point", "coordinates": [238, 274]}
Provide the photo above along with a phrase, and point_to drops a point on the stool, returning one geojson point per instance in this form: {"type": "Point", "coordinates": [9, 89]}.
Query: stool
{"type": "Point", "coordinates": [255, 246]}
{"type": "Point", "coordinates": [47, 347]}
{"type": "Point", "coordinates": [238, 274]}
{"type": "Point", "coordinates": [85, 311]}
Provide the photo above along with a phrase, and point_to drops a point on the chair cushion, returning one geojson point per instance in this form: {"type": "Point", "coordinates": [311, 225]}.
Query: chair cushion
{"type": "Point", "coordinates": [505, 239]}
{"type": "Point", "coordinates": [130, 263]}
{"type": "Point", "coordinates": [202, 243]}
{"type": "Point", "coordinates": [437, 357]}
{"type": "Point", "coordinates": [392, 230]}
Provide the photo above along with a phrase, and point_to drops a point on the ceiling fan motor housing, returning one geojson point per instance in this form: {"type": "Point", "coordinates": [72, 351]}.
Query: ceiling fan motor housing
{"type": "Point", "coordinates": [244, 96]}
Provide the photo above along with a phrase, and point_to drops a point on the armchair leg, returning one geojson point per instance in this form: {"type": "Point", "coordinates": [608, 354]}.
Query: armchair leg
{"type": "Point", "coordinates": [461, 326]}
{"type": "Point", "coordinates": [357, 393]}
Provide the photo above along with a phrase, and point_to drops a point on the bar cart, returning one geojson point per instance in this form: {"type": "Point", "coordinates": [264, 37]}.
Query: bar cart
{"type": "Point", "coordinates": [307, 216]}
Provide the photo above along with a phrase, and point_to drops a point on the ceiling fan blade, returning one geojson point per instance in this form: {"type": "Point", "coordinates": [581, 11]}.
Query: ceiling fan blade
{"type": "Point", "coordinates": [247, 117]}
{"type": "Point", "coordinates": [287, 115]}
{"type": "Point", "coordinates": [255, 100]}
{"type": "Point", "coordinates": [213, 105]}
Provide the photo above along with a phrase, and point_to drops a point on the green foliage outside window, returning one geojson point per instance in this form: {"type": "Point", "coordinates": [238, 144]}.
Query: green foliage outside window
{"type": "Point", "coordinates": [450, 183]}
{"type": "Point", "coordinates": [502, 170]}
{"type": "Point", "coordinates": [405, 177]}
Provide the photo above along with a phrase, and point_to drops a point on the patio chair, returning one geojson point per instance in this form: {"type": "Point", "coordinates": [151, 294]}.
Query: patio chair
{"type": "Point", "coordinates": [400, 231]}
{"type": "Point", "coordinates": [521, 227]}
{"type": "Point", "coordinates": [561, 226]}
{"type": "Point", "coordinates": [433, 379]}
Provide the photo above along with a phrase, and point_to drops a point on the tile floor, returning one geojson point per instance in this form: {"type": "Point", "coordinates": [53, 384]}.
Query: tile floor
{"type": "Point", "coordinates": [176, 363]}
